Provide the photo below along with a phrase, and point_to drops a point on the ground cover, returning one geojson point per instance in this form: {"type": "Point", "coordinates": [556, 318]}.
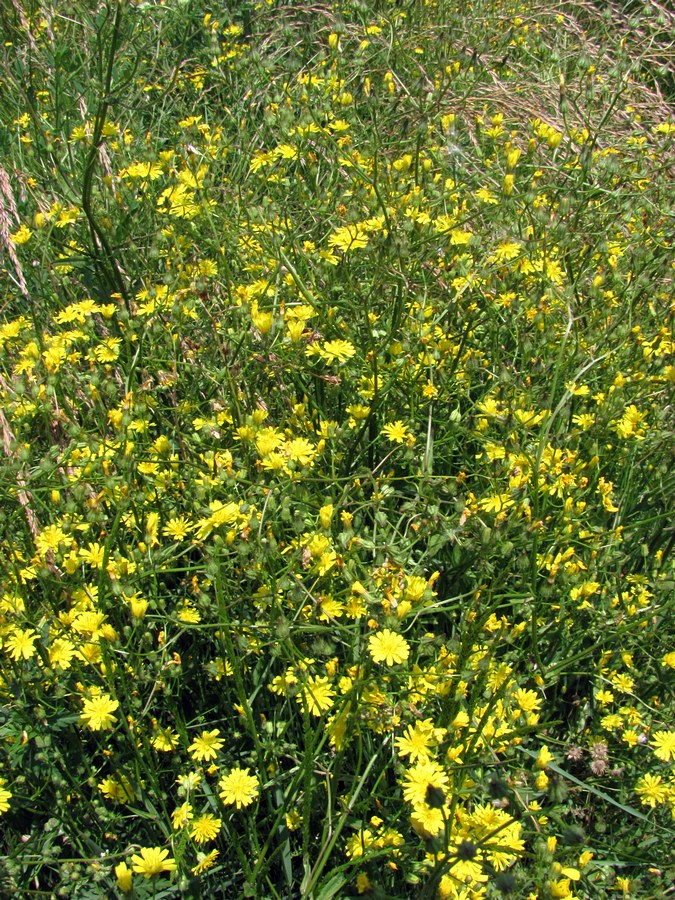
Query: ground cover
{"type": "Point", "coordinates": [336, 373]}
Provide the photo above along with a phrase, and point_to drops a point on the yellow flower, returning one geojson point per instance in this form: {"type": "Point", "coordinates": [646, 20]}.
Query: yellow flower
{"type": "Point", "coordinates": [205, 861]}
{"type": "Point", "coordinates": [206, 745]}
{"type": "Point", "coordinates": [20, 643]}
{"type": "Point", "coordinates": [358, 843]}
{"type": "Point", "coordinates": [611, 721]}
{"type": "Point", "coordinates": [630, 736]}
{"type": "Point", "coordinates": [485, 196]}
{"type": "Point", "coordinates": [152, 861]}
{"type": "Point", "coordinates": [165, 740]}
{"type": "Point", "coordinates": [93, 554]}
{"type": "Point", "coordinates": [560, 888]}
{"type": "Point", "coordinates": [396, 432]}
{"type": "Point", "coordinates": [528, 701]}
{"type": "Point", "coordinates": [98, 712]}
{"type": "Point", "coordinates": [189, 782]}
{"type": "Point", "coordinates": [629, 424]}
{"type": "Point", "coordinates": [50, 538]}
{"type": "Point", "coordinates": [650, 790]}
{"type": "Point", "coordinates": [541, 781]}
{"type": "Point", "coordinates": [585, 858]}
{"type": "Point", "coordinates": [664, 745]}
{"type": "Point", "coordinates": [459, 238]}
{"type": "Point", "coordinates": [267, 440]}
{"type": "Point", "coordinates": [403, 164]}
{"type": "Point", "coordinates": [143, 170]}
{"type": "Point", "coordinates": [334, 351]}
{"type": "Point", "coordinates": [326, 515]}
{"type": "Point", "coordinates": [124, 877]}
{"type": "Point", "coordinates": [415, 587]}
{"type": "Point", "coordinates": [177, 528]}
{"type": "Point", "coordinates": [495, 503]}
{"type": "Point", "coordinates": [205, 828]}
{"type": "Point", "coordinates": [238, 788]}
{"type": "Point", "coordinates": [358, 411]}
{"type": "Point", "coordinates": [263, 321]}
{"type": "Point", "coordinates": [138, 605]}
{"type": "Point", "coordinates": [22, 236]}
{"type": "Point", "coordinates": [300, 450]}
{"type": "Point", "coordinates": [316, 696]}
{"type": "Point", "coordinates": [388, 647]}
{"type": "Point", "coordinates": [189, 614]}
{"type": "Point", "coordinates": [182, 815]}
{"type": "Point", "coordinates": [350, 237]}
{"type": "Point", "coordinates": [79, 133]}
{"type": "Point", "coordinates": [119, 790]}
{"type": "Point", "coordinates": [5, 796]}
{"type": "Point", "coordinates": [61, 652]}
{"type": "Point", "coordinates": [416, 741]}
{"type": "Point", "coordinates": [422, 783]}
{"type": "Point", "coordinates": [427, 821]}
{"type": "Point", "coordinates": [622, 682]}
{"type": "Point", "coordinates": [544, 758]}
{"type": "Point", "coordinates": [293, 820]}
{"type": "Point", "coordinates": [512, 158]}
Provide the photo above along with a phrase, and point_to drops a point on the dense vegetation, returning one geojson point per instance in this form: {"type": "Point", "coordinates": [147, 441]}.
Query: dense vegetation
{"type": "Point", "coordinates": [337, 469]}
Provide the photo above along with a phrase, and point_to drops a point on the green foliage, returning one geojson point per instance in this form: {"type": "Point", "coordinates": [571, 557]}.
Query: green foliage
{"type": "Point", "coordinates": [336, 408]}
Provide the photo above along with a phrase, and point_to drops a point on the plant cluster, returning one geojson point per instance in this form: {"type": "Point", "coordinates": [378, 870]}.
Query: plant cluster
{"type": "Point", "coordinates": [336, 405]}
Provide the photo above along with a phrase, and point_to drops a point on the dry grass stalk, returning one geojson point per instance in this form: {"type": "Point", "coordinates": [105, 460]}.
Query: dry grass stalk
{"type": "Point", "coordinates": [8, 218]}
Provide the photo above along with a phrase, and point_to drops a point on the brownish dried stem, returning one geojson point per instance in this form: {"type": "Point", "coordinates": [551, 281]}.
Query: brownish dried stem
{"type": "Point", "coordinates": [8, 218]}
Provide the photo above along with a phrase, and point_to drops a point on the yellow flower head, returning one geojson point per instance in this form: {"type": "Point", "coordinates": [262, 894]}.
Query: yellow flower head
{"type": "Point", "coordinates": [98, 712]}
{"type": "Point", "coordinates": [151, 861]}
{"type": "Point", "coordinates": [124, 877]}
{"type": "Point", "coordinates": [238, 788]}
{"type": "Point", "coordinates": [317, 695]}
{"type": "Point", "coordinates": [663, 743]}
{"type": "Point", "coordinates": [397, 432]}
{"type": "Point", "coordinates": [206, 745]}
{"type": "Point", "coordinates": [205, 828]}
{"type": "Point", "coordinates": [388, 647]}
{"type": "Point", "coordinates": [5, 797]}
